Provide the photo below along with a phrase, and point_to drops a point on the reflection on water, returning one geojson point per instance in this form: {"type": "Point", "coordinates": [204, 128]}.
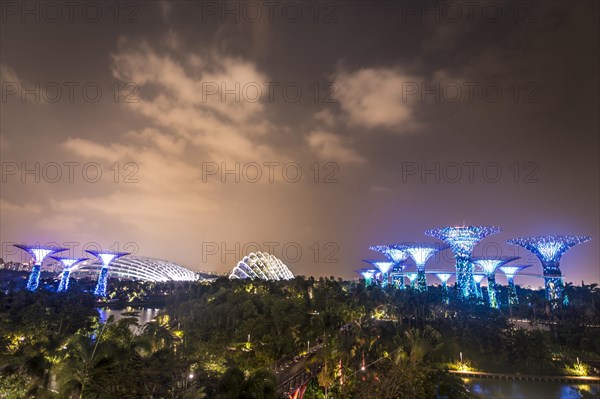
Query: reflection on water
{"type": "Point", "coordinates": [485, 388]}
{"type": "Point", "coordinates": [145, 315]}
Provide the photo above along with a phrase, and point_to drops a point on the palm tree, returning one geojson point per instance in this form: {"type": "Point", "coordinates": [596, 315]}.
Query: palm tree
{"type": "Point", "coordinates": [85, 358]}
{"type": "Point", "coordinates": [159, 336]}
{"type": "Point", "coordinates": [422, 342]}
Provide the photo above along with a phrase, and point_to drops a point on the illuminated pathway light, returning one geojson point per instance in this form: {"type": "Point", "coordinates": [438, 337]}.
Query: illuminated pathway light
{"type": "Point", "coordinates": [38, 253]}
{"type": "Point", "coordinates": [420, 254]}
{"type": "Point", "coordinates": [444, 277]}
{"type": "Point", "coordinates": [106, 258]}
{"type": "Point", "coordinates": [489, 266]}
{"type": "Point", "coordinates": [478, 277]}
{"type": "Point", "coordinates": [462, 240]}
{"type": "Point", "coordinates": [67, 263]}
{"type": "Point", "coordinates": [510, 272]}
{"type": "Point", "coordinates": [549, 250]}
{"type": "Point", "coordinates": [383, 266]}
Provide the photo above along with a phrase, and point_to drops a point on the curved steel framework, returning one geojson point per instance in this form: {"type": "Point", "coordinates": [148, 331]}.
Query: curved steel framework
{"type": "Point", "coordinates": [549, 250]}
{"type": "Point", "coordinates": [489, 266]}
{"type": "Point", "coordinates": [263, 266]}
{"type": "Point", "coordinates": [509, 272]}
{"type": "Point", "coordinates": [38, 253]}
{"type": "Point", "coordinates": [462, 240]}
{"type": "Point", "coordinates": [143, 268]}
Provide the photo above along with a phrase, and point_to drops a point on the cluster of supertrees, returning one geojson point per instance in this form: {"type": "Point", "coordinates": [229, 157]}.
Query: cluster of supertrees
{"type": "Point", "coordinates": [462, 240]}
{"type": "Point", "coordinates": [39, 253]}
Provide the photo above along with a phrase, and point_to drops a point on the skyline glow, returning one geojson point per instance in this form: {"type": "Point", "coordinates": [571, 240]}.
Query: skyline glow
{"type": "Point", "coordinates": [209, 141]}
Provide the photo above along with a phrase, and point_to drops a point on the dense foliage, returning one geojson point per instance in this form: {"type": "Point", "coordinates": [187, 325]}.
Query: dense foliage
{"type": "Point", "coordinates": [242, 339]}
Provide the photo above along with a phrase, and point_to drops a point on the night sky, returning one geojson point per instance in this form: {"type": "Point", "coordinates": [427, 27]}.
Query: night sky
{"type": "Point", "coordinates": [193, 131]}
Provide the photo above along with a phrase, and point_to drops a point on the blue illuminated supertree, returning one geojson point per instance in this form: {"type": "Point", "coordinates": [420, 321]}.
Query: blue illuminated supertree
{"type": "Point", "coordinates": [383, 266]}
{"type": "Point", "coordinates": [509, 272]}
{"type": "Point", "coordinates": [444, 277]}
{"type": "Point", "coordinates": [367, 274]}
{"type": "Point", "coordinates": [489, 266]}
{"type": "Point", "coordinates": [549, 250]}
{"type": "Point", "coordinates": [420, 253]}
{"type": "Point", "coordinates": [478, 277]}
{"type": "Point", "coordinates": [106, 258]}
{"type": "Point", "coordinates": [38, 253]}
{"type": "Point", "coordinates": [395, 255]}
{"type": "Point", "coordinates": [68, 264]}
{"type": "Point", "coordinates": [392, 252]}
{"type": "Point", "coordinates": [397, 274]}
{"type": "Point", "coordinates": [412, 278]}
{"type": "Point", "coordinates": [462, 240]}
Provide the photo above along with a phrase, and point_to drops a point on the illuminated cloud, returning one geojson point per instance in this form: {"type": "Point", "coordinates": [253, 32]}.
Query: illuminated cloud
{"type": "Point", "coordinates": [375, 98]}
{"type": "Point", "coordinates": [330, 146]}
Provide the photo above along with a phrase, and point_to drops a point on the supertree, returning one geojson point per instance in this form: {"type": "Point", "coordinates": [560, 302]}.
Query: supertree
{"type": "Point", "coordinates": [397, 274]}
{"type": "Point", "coordinates": [368, 274]}
{"type": "Point", "coordinates": [462, 240]}
{"type": "Point", "coordinates": [549, 250]}
{"type": "Point", "coordinates": [444, 277]}
{"type": "Point", "coordinates": [383, 266]}
{"type": "Point", "coordinates": [478, 277]}
{"type": "Point", "coordinates": [68, 264]}
{"type": "Point", "coordinates": [392, 252]}
{"type": "Point", "coordinates": [509, 272]}
{"type": "Point", "coordinates": [395, 255]}
{"type": "Point", "coordinates": [412, 277]}
{"type": "Point", "coordinates": [420, 253]}
{"type": "Point", "coordinates": [489, 266]}
{"type": "Point", "coordinates": [106, 258]}
{"type": "Point", "coordinates": [39, 253]}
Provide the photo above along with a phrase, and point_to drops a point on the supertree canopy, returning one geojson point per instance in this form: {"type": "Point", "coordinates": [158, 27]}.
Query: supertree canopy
{"type": "Point", "coordinates": [462, 240]}
{"type": "Point", "coordinates": [106, 258]}
{"type": "Point", "coordinates": [392, 252]}
{"type": "Point", "coordinates": [420, 254]}
{"type": "Point", "coordinates": [67, 263]}
{"type": "Point", "coordinates": [38, 253]}
{"type": "Point", "coordinates": [412, 277]}
{"type": "Point", "coordinates": [510, 272]}
{"type": "Point", "coordinates": [367, 274]}
{"type": "Point", "coordinates": [384, 267]}
{"type": "Point", "coordinates": [489, 266]}
{"type": "Point", "coordinates": [549, 250]}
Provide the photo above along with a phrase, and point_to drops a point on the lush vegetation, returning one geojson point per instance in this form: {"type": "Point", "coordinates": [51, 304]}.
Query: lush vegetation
{"type": "Point", "coordinates": [242, 339]}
